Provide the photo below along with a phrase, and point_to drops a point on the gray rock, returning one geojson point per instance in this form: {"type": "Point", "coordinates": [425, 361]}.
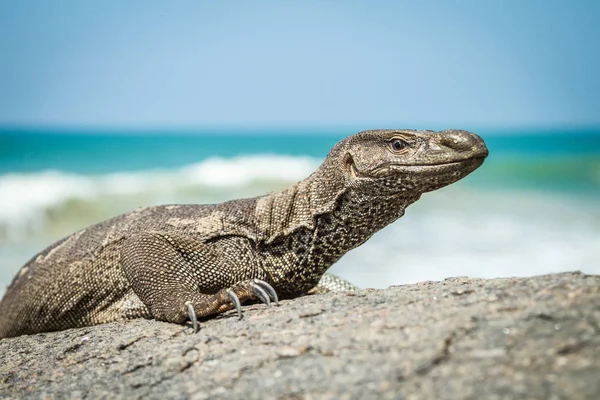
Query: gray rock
{"type": "Point", "coordinates": [536, 338]}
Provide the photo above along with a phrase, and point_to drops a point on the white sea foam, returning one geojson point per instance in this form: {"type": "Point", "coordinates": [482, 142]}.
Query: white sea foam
{"type": "Point", "coordinates": [240, 171]}
{"type": "Point", "coordinates": [25, 197]}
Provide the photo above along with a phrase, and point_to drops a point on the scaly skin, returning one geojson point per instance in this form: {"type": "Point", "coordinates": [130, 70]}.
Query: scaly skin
{"type": "Point", "coordinates": [177, 262]}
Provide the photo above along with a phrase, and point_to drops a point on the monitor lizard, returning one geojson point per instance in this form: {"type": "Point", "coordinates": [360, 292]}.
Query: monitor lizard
{"type": "Point", "coordinates": [179, 262]}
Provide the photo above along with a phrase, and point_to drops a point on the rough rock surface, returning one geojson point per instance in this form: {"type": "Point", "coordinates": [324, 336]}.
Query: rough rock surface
{"type": "Point", "coordinates": [535, 338]}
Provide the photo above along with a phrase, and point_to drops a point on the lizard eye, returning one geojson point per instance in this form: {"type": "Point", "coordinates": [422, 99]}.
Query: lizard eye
{"type": "Point", "coordinates": [398, 144]}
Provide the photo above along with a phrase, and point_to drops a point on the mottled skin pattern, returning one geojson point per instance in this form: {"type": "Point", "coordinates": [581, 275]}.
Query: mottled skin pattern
{"type": "Point", "coordinates": [152, 261]}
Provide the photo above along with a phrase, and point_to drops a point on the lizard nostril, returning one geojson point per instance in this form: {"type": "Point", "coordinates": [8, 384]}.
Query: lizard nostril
{"type": "Point", "coordinates": [461, 141]}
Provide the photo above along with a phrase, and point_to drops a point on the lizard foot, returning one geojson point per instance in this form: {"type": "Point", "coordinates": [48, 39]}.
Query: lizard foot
{"type": "Point", "coordinates": [259, 289]}
{"type": "Point", "coordinates": [253, 288]}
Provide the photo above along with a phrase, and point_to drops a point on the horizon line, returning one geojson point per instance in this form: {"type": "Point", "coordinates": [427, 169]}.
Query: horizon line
{"type": "Point", "coordinates": [206, 129]}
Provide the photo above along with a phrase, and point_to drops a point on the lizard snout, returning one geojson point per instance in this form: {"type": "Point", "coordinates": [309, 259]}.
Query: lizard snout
{"type": "Point", "coordinates": [463, 141]}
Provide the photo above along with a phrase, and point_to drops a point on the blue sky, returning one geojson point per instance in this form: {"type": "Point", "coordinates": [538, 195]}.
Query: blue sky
{"type": "Point", "coordinates": [305, 63]}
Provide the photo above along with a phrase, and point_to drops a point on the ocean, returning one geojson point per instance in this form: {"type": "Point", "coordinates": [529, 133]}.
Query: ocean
{"type": "Point", "coordinates": [532, 208]}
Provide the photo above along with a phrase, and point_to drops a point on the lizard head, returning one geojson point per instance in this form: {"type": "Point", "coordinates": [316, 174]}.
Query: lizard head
{"type": "Point", "coordinates": [394, 161]}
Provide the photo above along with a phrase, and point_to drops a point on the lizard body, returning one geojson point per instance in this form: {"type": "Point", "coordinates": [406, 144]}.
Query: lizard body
{"type": "Point", "coordinates": [176, 262]}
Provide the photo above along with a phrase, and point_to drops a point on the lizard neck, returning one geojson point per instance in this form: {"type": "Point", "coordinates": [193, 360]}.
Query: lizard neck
{"type": "Point", "coordinates": [315, 222]}
{"type": "Point", "coordinates": [327, 198]}
{"type": "Point", "coordinates": [355, 219]}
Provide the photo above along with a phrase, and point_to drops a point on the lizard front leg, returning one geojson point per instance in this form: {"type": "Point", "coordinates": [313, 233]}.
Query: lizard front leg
{"type": "Point", "coordinates": [178, 277]}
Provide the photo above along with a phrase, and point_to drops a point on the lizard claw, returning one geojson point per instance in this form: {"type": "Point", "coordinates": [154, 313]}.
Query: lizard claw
{"type": "Point", "coordinates": [192, 315]}
{"type": "Point", "coordinates": [263, 288]}
{"type": "Point", "coordinates": [236, 302]}
{"type": "Point", "coordinates": [260, 289]}
{"type": "Point", "coordinates": [261, 294]}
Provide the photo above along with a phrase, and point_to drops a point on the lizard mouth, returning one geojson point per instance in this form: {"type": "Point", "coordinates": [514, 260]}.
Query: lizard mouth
{"type": "Point", "coordinates": [467, 165]}
{"type": "Point", "coordinates": [457, 167]}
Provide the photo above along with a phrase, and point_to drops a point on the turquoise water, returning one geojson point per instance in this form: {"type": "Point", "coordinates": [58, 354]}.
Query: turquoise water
{"type": "Point", "coordinates": [97, 153]}
{"type": "Point", "coordinates": [531, 208]}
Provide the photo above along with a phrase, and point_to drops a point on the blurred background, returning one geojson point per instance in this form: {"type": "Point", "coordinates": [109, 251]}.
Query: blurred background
{"type": "Point", "coordinates": [107, 106]}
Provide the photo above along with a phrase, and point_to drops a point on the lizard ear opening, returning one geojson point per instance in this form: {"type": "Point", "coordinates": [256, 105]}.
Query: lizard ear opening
{"type": "Point", "coordinates": [350, 166]}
